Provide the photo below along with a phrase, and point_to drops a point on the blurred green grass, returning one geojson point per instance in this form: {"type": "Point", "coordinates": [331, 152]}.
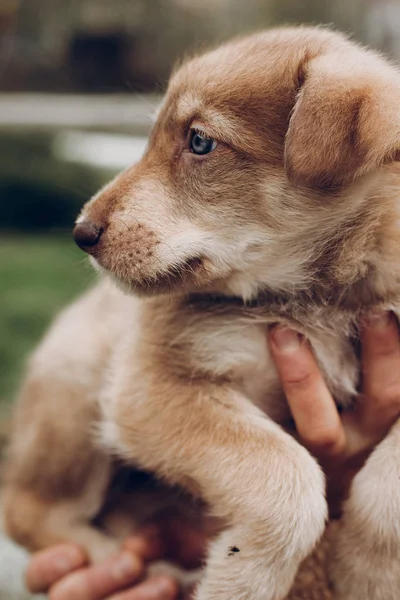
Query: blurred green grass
{"type": "Point", "coordinates": [39, 274]}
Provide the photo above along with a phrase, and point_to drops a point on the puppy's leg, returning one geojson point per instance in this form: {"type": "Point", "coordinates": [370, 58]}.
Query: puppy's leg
{"type": "Point", "coordinates": [365, 564]}
{"type": "Point", "coordinates": [56, 478]}
{"type": "Point", "coordinates": [251, 473]}
{"type": "Point", "coordinates": [36, 524]}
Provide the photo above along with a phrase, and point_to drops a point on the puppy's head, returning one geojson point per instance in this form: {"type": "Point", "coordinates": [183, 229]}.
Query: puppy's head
{"type": "Point", "coordinates": [263, 149]}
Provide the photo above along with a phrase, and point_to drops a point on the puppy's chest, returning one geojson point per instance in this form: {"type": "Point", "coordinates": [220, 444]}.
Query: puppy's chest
{"type": "Point", "coordinates": [235, 348]}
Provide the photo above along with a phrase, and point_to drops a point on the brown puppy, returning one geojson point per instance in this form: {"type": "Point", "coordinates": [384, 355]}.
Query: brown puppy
{"type": "Point", "coordinates": [267, 194]}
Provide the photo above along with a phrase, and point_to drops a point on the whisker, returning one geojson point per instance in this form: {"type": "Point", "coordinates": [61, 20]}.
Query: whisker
{"type": "Point", "coordinates": [123, 222]}
{"type": "Point", "coordinates": [173, 251]}
{"type": "Point", "coordinates": [131, 216]}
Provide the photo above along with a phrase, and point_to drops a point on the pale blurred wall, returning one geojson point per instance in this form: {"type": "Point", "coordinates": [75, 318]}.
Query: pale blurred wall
{"type": "Point", "coordinates": [382, 25]}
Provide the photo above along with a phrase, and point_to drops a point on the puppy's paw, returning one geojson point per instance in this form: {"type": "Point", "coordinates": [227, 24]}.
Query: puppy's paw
{"type": "Point", "coordinates": [360, 570]}
{"type": "Point", "coordinates": [259, 557]}
{"type": "Point", "coordinates": [365, 562]}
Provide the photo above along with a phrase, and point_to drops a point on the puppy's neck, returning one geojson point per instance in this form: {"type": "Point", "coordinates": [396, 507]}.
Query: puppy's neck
{"type": "Point", "coordinates": [355, 298]}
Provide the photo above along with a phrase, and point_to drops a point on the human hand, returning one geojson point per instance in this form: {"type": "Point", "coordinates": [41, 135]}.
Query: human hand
{"type": "Point", "coordinates": [63, 571]}
{"type": "Point", "coordinates": [341, 442]}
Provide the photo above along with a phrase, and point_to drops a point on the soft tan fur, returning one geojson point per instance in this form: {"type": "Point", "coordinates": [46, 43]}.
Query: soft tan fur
{"type": "Point", "coordinates": [296, 213]}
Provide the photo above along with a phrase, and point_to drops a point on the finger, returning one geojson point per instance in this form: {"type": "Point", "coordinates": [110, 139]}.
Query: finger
{"type": "Point", "coordinates": [48, 566]}
{"type": "Point", "coordinates": [147, 543]}
{"type": "Point", "coordinates": [158, 587]}
{"type": "Point", "coordinates": [101, 580]}
{"type": "Point", "coordinates": [380, 343]}
{"type": "Point", "coordinates": [312, 406]}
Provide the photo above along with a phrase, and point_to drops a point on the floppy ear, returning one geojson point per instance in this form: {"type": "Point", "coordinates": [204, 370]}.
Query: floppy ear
{"type": "Point", "coordinates": [346, 120]}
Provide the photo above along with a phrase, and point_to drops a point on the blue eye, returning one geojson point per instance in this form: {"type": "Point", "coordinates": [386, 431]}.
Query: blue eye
{"type": "Point", "coordinates": [200, 144]}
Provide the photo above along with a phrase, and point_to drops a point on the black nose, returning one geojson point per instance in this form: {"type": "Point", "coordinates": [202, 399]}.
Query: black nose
{"type": "Point", "coordinates": [86, 235]}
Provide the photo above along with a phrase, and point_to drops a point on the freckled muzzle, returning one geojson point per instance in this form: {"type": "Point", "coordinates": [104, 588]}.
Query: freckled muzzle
{"type": "Point", "coordinates": [131, 243]}
{"type": "Point", "coordinates": [127, 249]}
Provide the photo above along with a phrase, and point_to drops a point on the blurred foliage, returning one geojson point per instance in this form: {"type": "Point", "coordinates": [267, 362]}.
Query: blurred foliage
{"type": "Point", "coordinates": [98, 45]}
{"type": "Point", "coordinates": [37, 191]}
{"type": "Point", "coordinates": [38, 276]}
{"type": "Point", "coordinates": [38, 273]}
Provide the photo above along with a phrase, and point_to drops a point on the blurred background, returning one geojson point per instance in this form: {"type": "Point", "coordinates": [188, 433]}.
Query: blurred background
{"type": "Point", "coordinates": [79, 80]}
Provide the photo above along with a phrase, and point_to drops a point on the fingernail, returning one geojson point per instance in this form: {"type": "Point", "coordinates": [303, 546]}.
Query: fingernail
{"type": "Point", "coordinates": [125, 566]}
{"type": "Point", "coordinates": [63, 564]}
{"type": "Point", "coordinates": [377, 318]}
{"type": "Point", "coordinates": [286, 339]}
{"type": "Point", "coordinates": [68, 560]}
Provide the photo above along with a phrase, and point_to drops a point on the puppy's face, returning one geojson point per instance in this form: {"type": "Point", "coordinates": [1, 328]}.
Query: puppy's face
{"type": "Point", "coordinates": [248, 167]}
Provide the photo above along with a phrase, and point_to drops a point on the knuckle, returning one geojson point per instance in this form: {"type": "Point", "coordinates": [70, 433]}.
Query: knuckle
{"type": "Point", "coordinates": [72, 586]}
{"type": "Point", "coordinates": [300, 382]}
{"type": "Point", "coordinates": [382, 342]}
{"type": "Point", "coordinates": [389, 414]}
{"type": "Point", "coordinates": [327, 440]}
{"type": "Point", "coordinates": [56, 594]}
{"type": "Point", "coordinates": [334, 450]}
{"type": "Point", "coordinates": [168, 585]}
{"type": "Point", "coordinates": [386, 348]}
{"type": "Point", "coordinates": [387, 397]}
